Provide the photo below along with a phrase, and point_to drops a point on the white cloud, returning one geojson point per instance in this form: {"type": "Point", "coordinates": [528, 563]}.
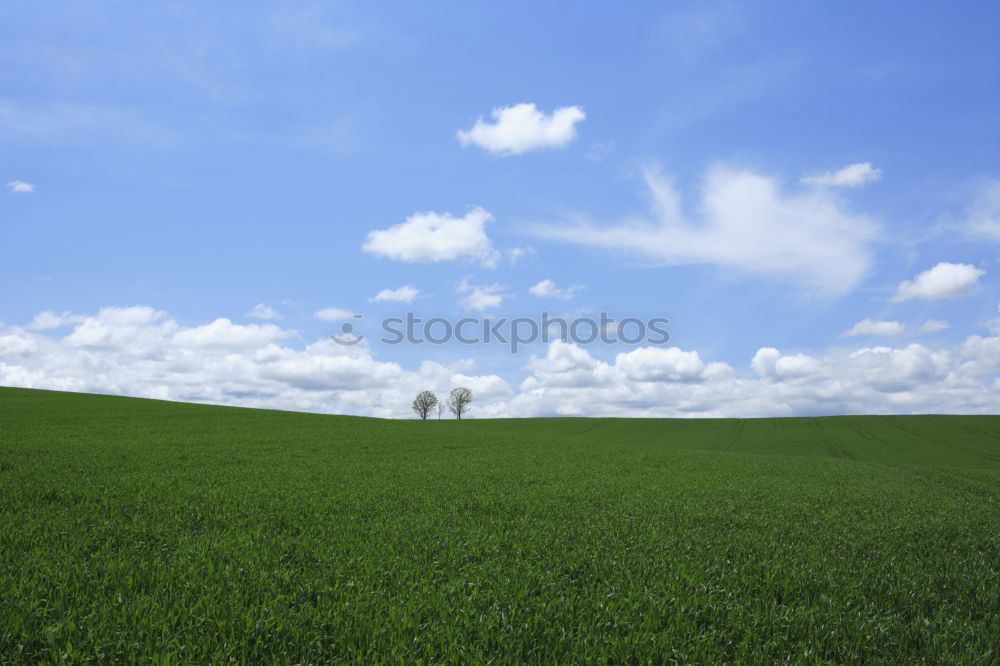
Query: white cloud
{"type": "Point", "coordinates": [16, 345]}
{"type": "Point", "coordinates": [130, 330]}
{"type": "Point", "coordinates": [404, 294]}
{"type": "Point", "coordinates": [897, 370]}
{"type": "Point", "coordinates": [48, 320]}
{"type": "Point", "coordinates": [746, 223]}
{"type": "Point", "coordinates": [516, 254]}
{"type": "Point", "coordinates": [870, 327]}
{"type": "Point", "coordinates": [548, 289]}
{"type": "Point", "coordinates": [984, 213]}
{"type": "Point", "coordinates": [522, 127]}
{"type": "Point", "coordinates": [934, 326]}
{"type": "Point", "coordinates": [943, 281]}
{"type": "Point", "coordinates": [647, 364]}
{"type": "Point", "coordinates": [333, 314]}
{"type": "Point", "coordinates": [994, 324]}
{"type": "Point", "coordinates": [482, 386]}
{"type": "Point", "coordinates": [675, 382]}
{"type": "Point", "coordinates": [433, 237]}
{"type": "Point", "coordinates": [224, 334]}
{"type": "Point", "coordinates": [852, 175]}
{"type": "Point", "coordinates": [262, 311]}
{"type": "Point", "coordinates": [480, 296]}
{"type": "Point", "coordinates": [145, 352]}
{"type": "Point", "coordinates": [566, 365]}
{"type": "Point", "coordinates": [770, 363]}
{"type": "Point", "coordinates": [20, 187]}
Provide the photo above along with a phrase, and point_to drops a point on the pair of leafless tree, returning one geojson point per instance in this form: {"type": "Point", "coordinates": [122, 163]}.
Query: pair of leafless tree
{"type": "Point", "coordinates": [458, 403]}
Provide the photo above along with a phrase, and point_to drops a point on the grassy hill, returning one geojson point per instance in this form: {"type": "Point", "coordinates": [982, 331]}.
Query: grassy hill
{"type": "Point", "coordinates": [135, 528]}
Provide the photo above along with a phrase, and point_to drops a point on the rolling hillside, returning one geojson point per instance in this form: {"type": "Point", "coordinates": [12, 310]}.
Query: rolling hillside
{"type": "Point", "coordinates": [197, 533]}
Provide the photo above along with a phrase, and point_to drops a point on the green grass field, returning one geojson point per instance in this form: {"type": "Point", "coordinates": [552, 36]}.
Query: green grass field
{"type": "Point", "coordinates": [135, 529]}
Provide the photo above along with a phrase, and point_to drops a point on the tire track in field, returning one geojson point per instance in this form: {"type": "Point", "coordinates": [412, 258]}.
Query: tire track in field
{"type": "Point", "coordinates": [592, 428]}
{"type": "Point", "coordinates": [831, 445]}
{"type": "Point", "coordinates": [741, 425]}
{"type": "Point", "coordinates": [943, 443]}
{"type": "Point", "coordinates": [873, 437]}
{"type": "Point", "coordinates": [995, 434]}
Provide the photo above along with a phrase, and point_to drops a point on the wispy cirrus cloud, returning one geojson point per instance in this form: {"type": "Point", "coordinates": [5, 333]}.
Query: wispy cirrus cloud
{"type": "Point", "coordinates": [60, 122]}
{"type": "Point", "coordinates": [744, 222]}
{"type": "Point", "coordinates": [852, 175]}
{"type": "Point", "coordinates": [516, 254]}
{"type": "Point", "coordinates": [934, 326]}
{"type": "Point", "coordinates": [263, 311]}
{"type": "Point", "coordinates": [983, 217]}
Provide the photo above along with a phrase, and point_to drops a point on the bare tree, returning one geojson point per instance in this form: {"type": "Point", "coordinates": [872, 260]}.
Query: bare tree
{"type": "Point", "coordinates": [424, 403]}
{"type": "Point", "coordinates": [440, 408]}
{"type": "Point", "coordinates": [458, 401]}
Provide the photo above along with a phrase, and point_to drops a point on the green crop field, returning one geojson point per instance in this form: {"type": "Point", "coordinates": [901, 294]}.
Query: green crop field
{"type": "Point", "coordinates": [155, 531]}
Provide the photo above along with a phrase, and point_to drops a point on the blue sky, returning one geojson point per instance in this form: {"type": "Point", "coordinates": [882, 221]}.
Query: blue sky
{"type": "Point", "coordinates": [198, 160]}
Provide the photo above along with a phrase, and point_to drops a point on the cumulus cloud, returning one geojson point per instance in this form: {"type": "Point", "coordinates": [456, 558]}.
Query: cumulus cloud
{"type": "Point", "coordinates": [13, 345]}
{"type": "Point", "coordinates": [934, 326]}
{"type": "Point", "coordinates": [569, 366]}
{"type": "Point", "coordinates": [262, 311]}
{"type": "Point", "coordinates": [144, 352]}
{"type": "Point", "coordinates": [852, 175]}
{"type": "Point", "coordinates": [333, 314]}
{"type": "Point", "coordinates": [943, 281]}
{"type": "Point", "coordinates": [20, 187]}
{"type": "Point", "coordinates": [522, 127]}
{"type": "Point", "coordinates": [568, 380]}
{"type": "Point", "coordinates": [480, 297]}
{"type": "Point", "coordinates": [129, 329]}
{"type": "Point", "coordinates": [771, 364]}
{"type": "Point", "coordinates": [745, 222]}
{"type": "Point", "coordinates": [404, 294]}
{"type": "Point", "coordinates": [870, 327]}
{"type": "Point", "coordinates": [224, 334]}
{"type": "Point", "coordinates": [548, 289]}
{"type": "Point", "coordinates": [648, 364]}
{"type": "Point", "coordinates": [434, 237]}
